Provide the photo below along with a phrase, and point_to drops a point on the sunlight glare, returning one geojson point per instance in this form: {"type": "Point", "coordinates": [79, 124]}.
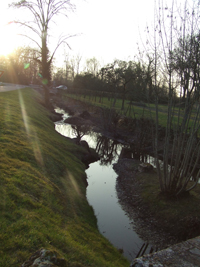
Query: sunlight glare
{"type": "Point", "coordinates": [32, 135]}
{"type": "Point", "coordinates": [24, 115]}
{"type": "Point", "coordinates": [9, 38]}
{"type": "Point", "coordinates": [74, 183]}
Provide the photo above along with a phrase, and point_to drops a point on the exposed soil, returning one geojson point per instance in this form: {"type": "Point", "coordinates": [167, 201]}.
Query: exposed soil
{"type": "Point", "coordinates": [128, 188]}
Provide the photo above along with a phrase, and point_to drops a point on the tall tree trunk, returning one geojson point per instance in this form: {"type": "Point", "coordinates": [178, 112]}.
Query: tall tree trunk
{"type": "Point", "coordinates": [45, 69]}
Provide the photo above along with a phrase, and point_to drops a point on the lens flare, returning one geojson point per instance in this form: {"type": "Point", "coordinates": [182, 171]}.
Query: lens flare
{"type": "Point", "coordinates": [36, 149]}
{"type": "Point", "coordinates": [26, 65]}
{"type": "Point", "coordinates": [32, 135]}
{"type": "Point", "coordinates": [24, 115]}
{"type": "Point", "coordinates": [74, 183]}
{"type": "Point", "coordinates": [45, 81]}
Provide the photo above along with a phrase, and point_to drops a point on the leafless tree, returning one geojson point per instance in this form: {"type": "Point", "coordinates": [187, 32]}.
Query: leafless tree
{"type": "Point", "coordinates": [92, 66]}
{"type": "Point", "coordinates": [72, 66]}
{"type": "Point", "coordinates": [176, 56]}
{"type": "Point", "coordinates": [42, 14]}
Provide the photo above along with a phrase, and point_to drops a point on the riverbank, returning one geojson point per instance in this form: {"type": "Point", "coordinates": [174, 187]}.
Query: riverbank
{"type": "Point", "coordinates": [131, 189]}
{"type": "Point", "coordinates": [42, 191]}
{"type": "Point", "coordinates": [160, 221]}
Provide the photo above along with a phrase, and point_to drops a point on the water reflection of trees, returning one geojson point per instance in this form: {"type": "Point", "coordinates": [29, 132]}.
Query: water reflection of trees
{"type": "Point", "coordinates": [107, 149]}
{"type": "Point", "coordinates": [80, 130]}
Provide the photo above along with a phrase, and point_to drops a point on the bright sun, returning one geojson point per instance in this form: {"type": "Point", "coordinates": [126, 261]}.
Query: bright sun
{"type": "Point", "coordinates": [9, 39]}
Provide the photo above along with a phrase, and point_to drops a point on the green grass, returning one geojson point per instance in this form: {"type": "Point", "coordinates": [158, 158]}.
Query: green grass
{"type": "Point", "coordinates": [148, 111]}
{"type": "Point", "coordinates": [42, 191]}
{"type": "Point", "coordinates": [136, 111]}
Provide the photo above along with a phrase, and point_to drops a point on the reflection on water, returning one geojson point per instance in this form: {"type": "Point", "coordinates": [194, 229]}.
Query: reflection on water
{"type": "Point", "coordinates": [113, 223]}
{"type": "Point", "coordinates": [107, 149]}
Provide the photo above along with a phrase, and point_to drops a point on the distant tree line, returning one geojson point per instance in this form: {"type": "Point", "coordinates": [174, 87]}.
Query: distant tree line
{"type": "Point", "coordinates": [132, 81]}
{"type": "Point", "coordinates": [20, 66]}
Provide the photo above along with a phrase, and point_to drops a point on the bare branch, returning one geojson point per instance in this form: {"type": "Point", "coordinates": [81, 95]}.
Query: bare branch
{"type": "Point", "coordinates": [30, 39]}
{"type": "Point", "coordinates": [25, 24]}
{"type": "Point", "coordinates": [62, 40]}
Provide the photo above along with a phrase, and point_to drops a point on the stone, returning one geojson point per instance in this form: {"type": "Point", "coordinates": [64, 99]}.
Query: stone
{"type": "Point", "coordinates": [43, 257]}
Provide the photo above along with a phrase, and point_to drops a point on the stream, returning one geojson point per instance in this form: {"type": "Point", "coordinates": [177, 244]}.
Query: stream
{"type": "Point", "coordinates": [113, 222]}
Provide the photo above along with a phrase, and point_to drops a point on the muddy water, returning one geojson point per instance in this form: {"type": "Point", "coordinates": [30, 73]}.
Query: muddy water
{"type": "Point", "coordinates": [113, 222]}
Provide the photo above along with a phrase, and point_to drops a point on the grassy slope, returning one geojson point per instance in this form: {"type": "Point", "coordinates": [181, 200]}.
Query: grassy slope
{"type": "Point", "coordinates": [136, 111]}
{"type": "Point", "coordinates": [42, 192]}
{"type": "Point", "coordinates": [148, 111]}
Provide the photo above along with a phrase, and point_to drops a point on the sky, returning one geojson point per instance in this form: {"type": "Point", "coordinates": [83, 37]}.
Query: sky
{"type": "Point", "coordinates": [109, 28]}
{"type": "Point", "coordinates": [104, 29]}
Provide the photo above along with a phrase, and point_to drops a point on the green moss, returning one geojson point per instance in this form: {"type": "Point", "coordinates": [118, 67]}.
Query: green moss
{"type": "Point", "coordinates": [42, 190]}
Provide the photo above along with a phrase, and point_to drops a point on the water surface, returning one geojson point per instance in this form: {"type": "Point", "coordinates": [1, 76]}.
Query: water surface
{"type": "Point", "coordinates": [112, 220]}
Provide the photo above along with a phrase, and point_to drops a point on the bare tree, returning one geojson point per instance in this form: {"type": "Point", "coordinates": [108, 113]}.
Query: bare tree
{"type": "Point", "coordinates": [185, 60]}
{"type": "Point", "coordinates": [92, 66]}
{"type": "Point", "coordinates": [42, 14]}
{"type": "Point", "coordinates": [73, 66]}
{"type": "Point", "coordinates": [176, 50]}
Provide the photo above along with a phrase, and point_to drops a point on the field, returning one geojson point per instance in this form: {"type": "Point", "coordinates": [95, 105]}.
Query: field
{"type": "Point", "coordinates": [137, 109]}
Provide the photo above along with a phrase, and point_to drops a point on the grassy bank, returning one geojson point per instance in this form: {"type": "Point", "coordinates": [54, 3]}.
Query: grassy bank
{"type": "Point", "coordinates": [42, 190]}
{"type": "Point", "coordinates": [137, 110]}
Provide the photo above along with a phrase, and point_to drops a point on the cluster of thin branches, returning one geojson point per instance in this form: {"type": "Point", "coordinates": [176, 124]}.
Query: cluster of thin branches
{"type": "Point", "coordinates": [176, 53]}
